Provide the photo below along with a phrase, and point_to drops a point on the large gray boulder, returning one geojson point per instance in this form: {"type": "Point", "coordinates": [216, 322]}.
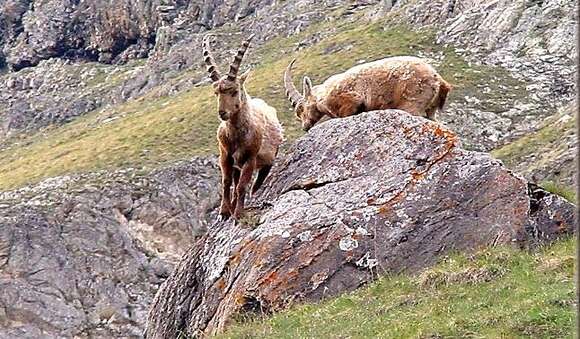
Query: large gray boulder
{"type": "Point", "coordinates": [354, 198]}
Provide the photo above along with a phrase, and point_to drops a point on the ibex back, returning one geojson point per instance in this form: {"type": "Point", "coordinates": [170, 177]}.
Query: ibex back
{"type": "Point", "coordinates": [406, 83]}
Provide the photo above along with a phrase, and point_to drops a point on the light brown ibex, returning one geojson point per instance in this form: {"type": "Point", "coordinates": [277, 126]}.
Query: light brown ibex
{"type": "Point", "coordinates": [249, 134]}
{"type": "Point", "coordinates": [406, 83]}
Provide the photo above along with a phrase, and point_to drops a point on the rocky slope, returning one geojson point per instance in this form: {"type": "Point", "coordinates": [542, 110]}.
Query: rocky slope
{"type": "Point", "coordinates": [394, 194]}
{"type": "Point", "coordinates": [82, 256]}
{"type": "Point", "coordinates": [104, 31]}
{"type": "Point", "coordinates": [89, 87]}
{"type": "Point", "coordinates": [33, 31]}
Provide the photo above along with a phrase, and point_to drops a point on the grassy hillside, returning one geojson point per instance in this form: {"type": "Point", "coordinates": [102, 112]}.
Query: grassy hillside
{"type": "Point", "coordinates": [549, 150]}
{"type": "Point", "coordinates": [497, 293]}
{"type": "Point", "coordinates": [151, 131]}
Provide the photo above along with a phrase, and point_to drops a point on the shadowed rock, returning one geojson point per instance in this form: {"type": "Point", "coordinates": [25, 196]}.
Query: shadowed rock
{"type": "Point", "coordinates": [356, 197]}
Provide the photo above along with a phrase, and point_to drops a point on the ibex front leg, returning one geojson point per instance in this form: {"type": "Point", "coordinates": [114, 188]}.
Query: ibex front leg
{"type": "Point", "coordinates": [227, 167]}
{"type": "Point", "coordinates": [241, 189]}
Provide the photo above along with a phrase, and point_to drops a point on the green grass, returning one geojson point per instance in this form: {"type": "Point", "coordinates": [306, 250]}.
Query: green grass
{"type": "Point", "coordinates": [564, 191]}
{"type": "Point", "coordinates": [514, 152]}
{"type": "Point", "coordinates": [538, 151]}
{"type": "Point", "coordinates": [497, 293]}
{"type": "Point", "coordinates": [153, 131]}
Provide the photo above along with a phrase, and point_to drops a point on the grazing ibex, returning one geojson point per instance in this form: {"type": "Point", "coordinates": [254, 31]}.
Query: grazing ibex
{"type": "Point", "coordinates": [405, 83]}
{"type": "Point", "coordinates": [249, 134]}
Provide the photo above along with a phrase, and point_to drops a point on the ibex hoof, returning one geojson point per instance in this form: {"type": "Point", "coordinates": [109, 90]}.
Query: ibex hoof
{"type": "Point", "coordinates": [223, 216]}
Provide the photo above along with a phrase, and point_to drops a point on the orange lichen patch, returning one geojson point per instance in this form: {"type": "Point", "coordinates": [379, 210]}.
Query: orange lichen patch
{"type": "Point", "coordinates": [269, 279]}
{"type": "Point", "coordinates": [257, 249]}
{"type": "Point", "coordinates": [240, 299]}
{"type": "Point", "coordinates": [440, 132]}
{"type": "Point", "coordinates": [221, 284]}
{"type": "Point", "coordinates": [417, 175]}
{"type": "Point", "coordinates": [277, 285]}
{"type": "Point", "coordinates": [386, 208]}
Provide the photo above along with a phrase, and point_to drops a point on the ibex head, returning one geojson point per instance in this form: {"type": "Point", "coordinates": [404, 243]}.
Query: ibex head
{"type": "Point", "coordinates": [229, 89]}
{"type": "Point", "coordinates": [305, 105]}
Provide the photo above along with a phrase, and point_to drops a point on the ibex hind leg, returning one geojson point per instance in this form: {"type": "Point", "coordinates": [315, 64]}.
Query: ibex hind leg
{"type": "Point", "coordinates": [262, 175]}
{"type": "Point", "coordinates": [236, 179]}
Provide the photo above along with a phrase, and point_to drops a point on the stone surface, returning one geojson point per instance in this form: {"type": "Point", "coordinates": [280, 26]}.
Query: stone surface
{"type": "Point", "coordinates": [391, 194]}
{"type": "Point", "coordinates": [82, 256]}
{"type": "Point", "coordinates": [104, 31]}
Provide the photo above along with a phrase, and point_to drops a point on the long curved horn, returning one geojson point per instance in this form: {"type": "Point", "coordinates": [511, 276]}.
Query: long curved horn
{"type": "Point", "coordinates": [235, 65]}
{"type": "Point", "coordinates": [291, 92]}
{"type": "Point", "coordinates": [207, 57]}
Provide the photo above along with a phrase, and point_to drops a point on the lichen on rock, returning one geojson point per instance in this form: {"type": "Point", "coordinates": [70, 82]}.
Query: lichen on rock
{"type": "Point", "coordinates": [402, 179]}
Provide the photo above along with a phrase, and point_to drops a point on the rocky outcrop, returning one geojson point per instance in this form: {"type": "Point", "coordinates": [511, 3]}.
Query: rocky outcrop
{"type": "Point", "coordinates": [82, 256]}
{"type": "Point", "coordinates": [392, 193]}
{"type": "Point", "coordinates": [547, 155]}
{"type": "Point", "coordinates": [104, 31]}
{"type": "Point", "coordinates": [532, 41]}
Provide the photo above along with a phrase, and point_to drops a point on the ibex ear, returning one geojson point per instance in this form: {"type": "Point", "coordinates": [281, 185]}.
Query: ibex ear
{"type": "Point", "coordinates": [307, 87]}
{"type": "Point", "coordinates": [244, 76]}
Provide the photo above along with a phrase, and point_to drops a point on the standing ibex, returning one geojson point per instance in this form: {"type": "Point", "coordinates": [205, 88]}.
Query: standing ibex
{"type": "Point", "coordinates": [405, 83]}
{"type": "Point", "coordinates": [249, 134]}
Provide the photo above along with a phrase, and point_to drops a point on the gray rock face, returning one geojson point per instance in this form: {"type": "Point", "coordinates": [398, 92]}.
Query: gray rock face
{"type": "Point", "coordinates": [83, 256]}
{"type": "Point", "coordinates": [356, 197]}
{"type": "Point", "coordinates": [533, 41]}
{"type": "Point", "coordinates": [55, 92]}
{"type": "Point", "coordinates": [104, 31]}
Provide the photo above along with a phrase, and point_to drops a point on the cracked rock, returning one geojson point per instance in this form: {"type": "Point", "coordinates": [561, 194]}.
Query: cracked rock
{"type": "Point", "coordinates": [82, 256]}
{"type": "Point", "coordinates": [454, 200]}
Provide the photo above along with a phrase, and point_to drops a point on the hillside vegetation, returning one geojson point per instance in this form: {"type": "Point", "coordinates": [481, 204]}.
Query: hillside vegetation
{"type": "Point", "coordinates": [496, 293]}
{"type": "Point", "coordinates": [151, 131]}
{"type": "Point", "coordinates": [547, 153]}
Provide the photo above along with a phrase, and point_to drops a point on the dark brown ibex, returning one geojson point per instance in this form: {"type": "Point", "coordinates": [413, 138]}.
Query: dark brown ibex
{"type": "Point", "coordinates": [406, 83]}
{"type": "Point", "coordinates": [249, 134]}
